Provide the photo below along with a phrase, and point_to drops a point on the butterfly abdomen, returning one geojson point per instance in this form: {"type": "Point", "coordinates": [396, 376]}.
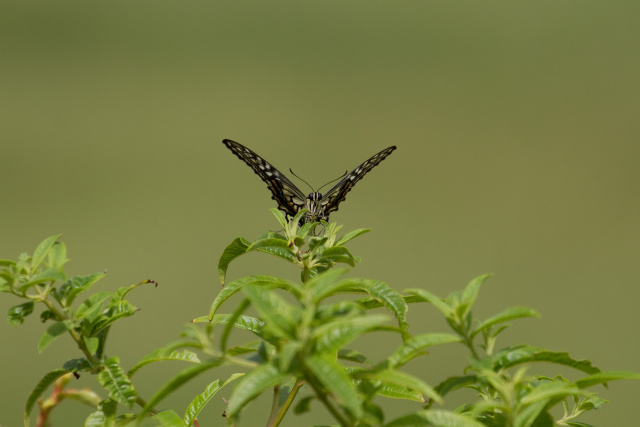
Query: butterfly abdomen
{"type": "Point", "coordinates": [314, 205]}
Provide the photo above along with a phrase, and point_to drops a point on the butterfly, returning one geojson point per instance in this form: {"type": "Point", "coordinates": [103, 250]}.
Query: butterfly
{"type": "Point", "coordinates": [289, 197]}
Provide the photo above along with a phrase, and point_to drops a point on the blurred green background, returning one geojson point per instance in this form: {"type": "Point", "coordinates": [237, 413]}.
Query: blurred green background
{"type": "Point", "coordinates": [518, 153]}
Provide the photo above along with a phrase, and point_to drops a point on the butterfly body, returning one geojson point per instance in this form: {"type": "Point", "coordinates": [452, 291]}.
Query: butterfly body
{"type": "Point", "coordinates": [289, 198]}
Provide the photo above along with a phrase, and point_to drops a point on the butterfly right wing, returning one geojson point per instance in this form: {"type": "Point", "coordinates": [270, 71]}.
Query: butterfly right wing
{"type": "Point", "coordinates": [290, 199]}
{"type": "Point", "coordinates": [338, 192]}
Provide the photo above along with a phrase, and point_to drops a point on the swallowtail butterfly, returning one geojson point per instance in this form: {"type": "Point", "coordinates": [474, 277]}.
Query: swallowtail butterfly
{"type": "Point", "coordinates": [289, 197]}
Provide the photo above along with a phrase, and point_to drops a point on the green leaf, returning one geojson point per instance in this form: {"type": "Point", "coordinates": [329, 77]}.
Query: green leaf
{"type": "Point", "coordinates": [470, 294]}
{"type": "Point", "coordinates": [178, 380]}
{"type": "Point", "coordinates": [527, 416]}
{"type": "Point", "coordinates": [605, 377]}
{"type": "Point", "coordinates": [505, 316]}
{"type": "Point", "coordinates": [17, 313]}
{"type": "Point", "coordinates": [433, 299]}
{"type": "Point", "coordinates": [379, 291]}
{"type": "Point", "coordinates": [316, 243]}
{"type": "Point", "coordinates": [335, 334]}
{"type": "Point", "coordinates": [333, 377]}
{"type": "Point", "coordinates": [591, 402]}
{"type": "Point", "coordinates": [122, 292]}
{"type": "Point", "coordinates": [416, 346]}
{"type": "Point", "coordinates": [235, 286]}
{"type": "Point", "coordinates": [330, 230]}
{"type": "Point", "coordinates": [578, 424]}
{"type": "Point", "coordinates": [336, 254]}
{"type": "Point", "coordinates": [303, 405]}
{"type": "Point", "coordinates": [48, 275]}
{"type": "Point", "coordinates": [86, 396]}
{"type": "Point", "coordinates": [252, 385]}
{"type": "Point", "coordinates": [21, 266]}
{"type": "Point", "coordinates": [104, 416]}
{"type": "Point", "coordinates": [353, 356]}
{"type": "Point", "coordinates": [53, 332]}
{"type": "Point", "coordinates": [351, 235]}
{"type": "Point", "coordinates": [277, 247]}
{"type": "Point", "coordinates": [544, 419]}
{"type": "Point", "coordinates": [98, 419]}
{"type": "Point", "coordinates": [226, 332]}
{"type": "Point", "coordinates": [240, 350]}
{"type": "Point", "coordinates": [5, 286]}
{"type": "Point", "coordinates": [293, 222]}
{"type": "Point", "coordinates": [77, 365]}
{"type": "Point", "coordinates": [112, 314]}
{"type": "Point", "coordinates": [435, 418]}
{"type": "Point", "coordinates": [278, 315]}
{"type": "Point", "coordinates": [42, 386]}
{"type": "Point", "coordinates": [455, 383]}
{"type": "Point", "coordinates": [280, 217]}
{"type": "Point", "coordinates": [272, 235]}
{"type": "Point", "coordinates": [537, 399]}
{"type": "Point", "coordinates": [247, 323]}
{"type": "Point", "coordinates": [57, 256]}
{"type": "Point", "coordinates": [314, 272]}
{"type": "Point", "coordinates": [168, 418]}
{"type": "Point", "coordinates": [306, 229]}
{"type": "Point", "coordinates": [201, 400]}
{"type": "Point", "coordinates": [238, 247]}
{"type": "Point", "coordinates": [92, 306]}
{"type": "Point", "coordinates": [287, 354]}
{"type": "Point", "coordinates": [47, 315]}
{"type": "Point", "coordinates": [42, 250]}
{"type": "Point", "coordinates": [76, 285]}
{"type": "Point", "coordinates": [114, 380]}
{"type": "Point", "coordinates": [389, 297]}
{"type": "Point", "coordinates": [399, 378]}
{"type": "Point", "coordinates": [7, 263]}
{"type": "Point", "coordinates": [324, 284]}
{"type": "Point", "coordinates": [164, 354]}
{"type": "Point", "coordinates": [394, 391]}
{"type": "Point", "coordinates": [517, 355]}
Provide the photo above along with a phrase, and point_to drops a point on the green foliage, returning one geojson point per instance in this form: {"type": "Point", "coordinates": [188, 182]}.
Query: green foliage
{"type": "Point", "coordinates": [201, 400]}
{"type": "Point", "coordinates": [301, 351]}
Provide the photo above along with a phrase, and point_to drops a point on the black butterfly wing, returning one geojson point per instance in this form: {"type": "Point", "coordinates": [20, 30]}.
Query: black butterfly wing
{"type": "Point", "coordinates": [290, 199]}
{"type": "Point", "coordinates": [330, 201]}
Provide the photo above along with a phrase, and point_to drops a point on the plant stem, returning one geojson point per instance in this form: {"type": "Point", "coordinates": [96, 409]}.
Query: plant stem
{"type": "Point", "coordinates": [274, 404]}
{"type": "Point", "coordinates": [469, 344]}
{"type": "Point", "coordinates": [322, 396]}
{"type": "Point", "coordinates": [77, 338]}
{"type": "Point", "coordinates": [241, 362]}
{"type": "Point", "coordinates": [283, 410]}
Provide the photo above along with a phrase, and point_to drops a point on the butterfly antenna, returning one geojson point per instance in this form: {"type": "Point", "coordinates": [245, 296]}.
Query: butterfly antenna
{"type": "Point", "coordinates": [294, 174]}
{"type": "Point", "coordinates": [340, 177]}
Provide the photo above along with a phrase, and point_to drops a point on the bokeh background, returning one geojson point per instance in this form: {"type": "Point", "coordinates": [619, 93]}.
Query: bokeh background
{"type": "Point", "coordinates": [518, 153]}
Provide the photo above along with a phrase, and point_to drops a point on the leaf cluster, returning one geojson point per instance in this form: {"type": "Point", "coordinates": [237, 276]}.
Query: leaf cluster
{"type": "Point", "coordinates": [303, 349]}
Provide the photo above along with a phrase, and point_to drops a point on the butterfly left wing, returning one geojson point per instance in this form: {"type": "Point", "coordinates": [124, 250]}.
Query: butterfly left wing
{"type": "Point", "coordinates": [338, 192]}
{"type": "Point", "coordinates": [290, 199]}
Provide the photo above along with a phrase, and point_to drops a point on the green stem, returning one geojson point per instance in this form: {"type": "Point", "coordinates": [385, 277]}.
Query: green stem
{"type": "Point", "coordinates": [143, 403]}
{"type": "Point", "coordinates": [241, 362]}
{"type": "Point", "coordinates": [287, 404]}
{"type": "Point", "coordinates": [274, 404]}
{"type": "Point", "coordinates": [469, 344]}
{"type": "Point", "coordinates": [322, 396]}
{"type": "Point", "coordinates": [76, 337]}
{"type": "Point", "coordinates": [306, 271]}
